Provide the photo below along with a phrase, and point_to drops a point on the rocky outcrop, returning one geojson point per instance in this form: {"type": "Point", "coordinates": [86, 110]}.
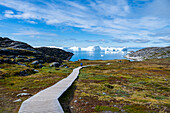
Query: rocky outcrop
{"type": "Point", "coordinates": [22, 51]}
{"type": "Point", "coordinates": [149, 53]}
{"type": "Point", "coordinates": [55, 52]}
{"type": "Point", "coordinates": [8, 43]}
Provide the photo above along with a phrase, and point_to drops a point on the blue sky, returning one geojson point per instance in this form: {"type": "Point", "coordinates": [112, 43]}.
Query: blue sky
{"type": "Point", "coordinates": [138, 23]}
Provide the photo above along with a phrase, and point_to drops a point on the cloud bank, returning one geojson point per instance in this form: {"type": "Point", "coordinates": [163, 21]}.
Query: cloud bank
{"type": "Point", "coordinates": [124, 21]}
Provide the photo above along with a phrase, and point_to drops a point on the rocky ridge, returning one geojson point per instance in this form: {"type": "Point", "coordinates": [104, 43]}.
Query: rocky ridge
{"type": "Point", "coordinates": [15, 52]}
{"type": "Point", "coordinates": [149, 53]}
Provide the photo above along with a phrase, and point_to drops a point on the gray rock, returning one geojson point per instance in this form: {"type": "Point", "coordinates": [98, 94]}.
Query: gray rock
{"type": "Point", "coordinates": [20, 56]}
{"type": "Point", "coordinates": [11, 56]}
{"type": "Point", "coordinates": [106, 112]}
{"type": "Point", "coordinates": [40, 65]}
{"type": "Point", "coordinates": [18, 100]}
{"type": "Point", "coordinates": [23, 73]}
{"type": "Point", "coordinates": [31, 59]}
{"type": "Point", "coordinates": [63, 65]}
{"type": "Point", "coordinates": [55, 64]}
{"type": "Point", "coordinates": [149, 53]}
{"type": "Point", "coordinates": [36, 71]}
{"type": "Point", "coordinates": [23, 94]}
{"type": "Point", "coordinates": [21, 64]}
{"type": "Point", "coordinates": [108, 63]}
{"type": "Point", "coordinates": [35, 62]}
{"type": "Point", "coordinates": [8, 43]}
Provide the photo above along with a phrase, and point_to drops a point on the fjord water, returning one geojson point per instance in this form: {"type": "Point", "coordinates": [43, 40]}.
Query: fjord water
{"type": "Point", "coordinates": [100, 55]}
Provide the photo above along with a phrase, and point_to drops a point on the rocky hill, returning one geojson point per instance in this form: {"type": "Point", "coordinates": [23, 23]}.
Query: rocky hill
{"type": "Point", "coordinates": [8, 43]}
{"type": "Point", "coordinates": [14, 49]}
{"type": "Point", "coordinates": [149, 53]}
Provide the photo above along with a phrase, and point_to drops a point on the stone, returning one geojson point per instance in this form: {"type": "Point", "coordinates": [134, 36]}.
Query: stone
{"type": "Point", "coordinates": [18, 100]}
{"type": "Point", "coordinates": [23, 73]}
{"type": "Point", "coordinates": [36, 71]}
{"type": "Point", "coordinates": [55, 64]}
{"type": "Point", "coordinates": [122, 110]}
{"type": "Point", "coordinates": [20, 56]}
{"type": "Point", "coordinates": [21, 64]}
{"type": "Point", "coordinates": [40, 65]}
{"type": "Point", "coordinates": [108, 63]}
{"type": "Point", "coordinates": [63, 65]}
{"type": "Point", "coordinates": [106, 112]}
{"type": "Point", "coordinates": [35, 62]}
{"type": "Point", "coordinates": [86, 102]}
{"type": "Point", "coordinates": [31, 59]}
{"type": "Point", "coordinates": [23, 94]}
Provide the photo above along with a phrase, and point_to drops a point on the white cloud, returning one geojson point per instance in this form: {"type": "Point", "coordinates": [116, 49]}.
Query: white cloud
{"type": "Point", "coordinates": [32, 22]}
{"type": "Point", "coordinates": [107, 17]}
{"type": "Point", "coordinates": [34, 33]}
{"type": "Point", "coordinates": [165, 39]}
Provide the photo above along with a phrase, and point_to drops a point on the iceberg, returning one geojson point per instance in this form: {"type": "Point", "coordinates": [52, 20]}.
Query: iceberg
{"type": "Point", "coordinates": [93, 49]}
{"type": "Point", "coordinates": [96, 48]}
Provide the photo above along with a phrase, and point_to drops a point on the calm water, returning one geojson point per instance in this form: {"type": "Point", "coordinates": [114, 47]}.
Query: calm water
{"type": "Point", "coordinates": [91, 55]}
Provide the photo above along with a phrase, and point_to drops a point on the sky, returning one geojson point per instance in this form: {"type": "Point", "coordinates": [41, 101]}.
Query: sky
{"type": "Point", "coordinates": [82, 23]}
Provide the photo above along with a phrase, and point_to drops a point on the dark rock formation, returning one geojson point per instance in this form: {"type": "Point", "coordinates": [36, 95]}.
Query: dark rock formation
{"type": "Point", "coordinates": [8, 43]}
{"type": "Point", "coordinates": [20, 52]}
{"type": "Point", "coordinates": [150, 53]}
{"type": "Point", "coordinates": [55, 52]}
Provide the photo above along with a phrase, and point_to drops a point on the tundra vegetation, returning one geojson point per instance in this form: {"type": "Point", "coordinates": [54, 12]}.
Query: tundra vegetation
{"type": "Point", "coordinates": [111, 85]}
{"type": "Point", "coordinates": [120, 86]}
{"type": "Point", "coordinates": [16, 79]}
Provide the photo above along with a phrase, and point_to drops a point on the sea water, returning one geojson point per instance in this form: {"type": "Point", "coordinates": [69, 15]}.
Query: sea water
{"type": "Point", "coordinates": [100, 55]}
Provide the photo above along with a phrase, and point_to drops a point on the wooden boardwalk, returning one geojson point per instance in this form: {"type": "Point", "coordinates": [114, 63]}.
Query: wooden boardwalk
{"type": "Point", "coordinates": [46, 101]}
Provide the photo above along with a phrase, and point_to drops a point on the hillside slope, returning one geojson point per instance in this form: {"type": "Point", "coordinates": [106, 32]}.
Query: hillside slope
{"type": "Point", "coordinates": [150, 53]}
{"type": "Point", "coordinates": [11, 47]}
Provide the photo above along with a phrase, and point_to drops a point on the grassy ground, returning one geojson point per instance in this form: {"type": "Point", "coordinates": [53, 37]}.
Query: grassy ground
{"type": "Point", "coordinates": [112, 85]}
{"type": "Point", "coordinates": [12, 84]}
{"type": "Point", "coordinates": [122, 86]}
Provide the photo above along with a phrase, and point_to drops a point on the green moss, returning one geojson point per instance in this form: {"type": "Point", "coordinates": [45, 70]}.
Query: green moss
{"type": "Point", "coordinates": [106, 108]}
{"type": "Point", "coordinates": [136, 109]}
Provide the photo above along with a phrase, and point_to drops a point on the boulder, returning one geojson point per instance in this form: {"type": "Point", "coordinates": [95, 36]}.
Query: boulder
{"type": "Point", "coordinates": [35, 62]}
{"type": "Point", "coordinates": [55, 64]}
